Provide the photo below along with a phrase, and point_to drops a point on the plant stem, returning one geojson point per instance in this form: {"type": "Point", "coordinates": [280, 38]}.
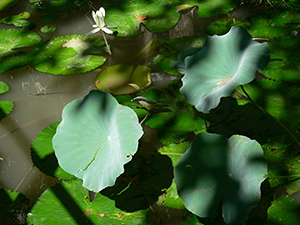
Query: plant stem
{"type": "Point", "coordinates": [108, 48]}
{"type": "Point", "coordinates": [274, 118]}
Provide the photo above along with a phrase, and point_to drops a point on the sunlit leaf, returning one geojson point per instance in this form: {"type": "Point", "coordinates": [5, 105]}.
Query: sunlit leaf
{"type": "Point", "coordinates": [216, 170]}
{"type": "Point", "coordinates": [96, 137]}
{"type": "Point", "coordinates": [68, 54]}
{"type": "Point", "coordinates": [223, 63]}
{"type": "Point", "coordinates": [10, 40]}
{"type": "Point", "coordinates": [68, 203]}
{"type": "Point", "coordinates": [124, 79]}
{"type": "Point", "coordinates": [47, 30]}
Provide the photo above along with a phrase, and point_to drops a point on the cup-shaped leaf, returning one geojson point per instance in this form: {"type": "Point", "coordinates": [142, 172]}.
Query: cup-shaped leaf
{"type": "Point", "coordinates": [95, 138]}
{"type": "Point", "coordinates": [217, 170]}
{"type": "Point", "coordinates": [223, 63]}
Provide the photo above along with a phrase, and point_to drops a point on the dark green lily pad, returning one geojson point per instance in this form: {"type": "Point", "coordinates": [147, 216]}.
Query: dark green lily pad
{"type": "Point", "coordinates": [283, 211]}
{"type": "Point", "coordinates": [222, 26]}
{"type": "Point", "coordinates": [223, 63]}
{"type": "Point", "coordinates": [6, 106]}
{"type": "Point", "coordinates": [274, 24]}
{"type": "Point", "coordinates": [5, 4]}
{"type": "Point", "coordinates": [10, 40]}
{"type": "Point", "coordinates": [172, 48]}
{"type": "Point", "coordinates": [68, 203]}
{"type": "Point", "coordinates": [124, 79]}
{"type": "Point", "coordinates": [216, 170]}
{"type": "Point", "coordinates": [56, 6]}
{"type": "Point", "coordinates": [110, 138]}
{"type": "Point", "coordinates": [42, 153]}
{"type": "Point", "coordinates": [156, 15]}
{"type": "Point", "coordinates": [68, 54]}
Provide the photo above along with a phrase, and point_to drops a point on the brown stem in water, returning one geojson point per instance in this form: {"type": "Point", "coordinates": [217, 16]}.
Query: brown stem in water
{"type": "Point", "coordinates": [24, 178]}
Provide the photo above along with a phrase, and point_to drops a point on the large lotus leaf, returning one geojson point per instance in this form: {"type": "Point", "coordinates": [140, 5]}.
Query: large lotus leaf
{"type": "Point", "coordinates": [68, 54]}
{"type": "Point", "coordinates": [12, 39]}
{"type": "Point", "coordinates": [95, 138]}
{"type": "Point", "coordinates": [56, 6]}
{"type": "Point", "coordinates": [124, 79]}
{"type": "Point", "coordinates": [223, 63]}
{"type": "Point", "coordinates": [69, 203]}
{"type": "Point", "coordinates": [157, 15]}
{"type": "Point", "coordinates": [283, 211]}
{"type": "Point", "coordinates": [274, 24]}
{"type": "Point", "coordinates": [207, 8]}
{"type": "Point", "coordinates": [6, 106]}
{"type": "Point", "coordinates": [216, 170]}
{"type": "Point", "coordinates": [42, 153]}
{"type": "Point", "coordinates": [173, 47]}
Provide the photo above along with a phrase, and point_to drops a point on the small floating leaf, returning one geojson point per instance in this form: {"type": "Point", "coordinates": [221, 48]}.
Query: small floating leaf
{"type": "Point", "coordinates": [47, 30]}
{"type": "Point", "coordinates": [5, 105]}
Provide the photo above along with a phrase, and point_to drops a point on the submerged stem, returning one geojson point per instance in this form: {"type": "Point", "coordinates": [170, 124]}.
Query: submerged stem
{"type": "Point", "coordinates": [274, 118]}
{"type": "Point", "coordinates": [108, 48]}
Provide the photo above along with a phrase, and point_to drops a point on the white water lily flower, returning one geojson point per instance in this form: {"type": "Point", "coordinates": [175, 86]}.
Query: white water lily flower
{"type": "Point", "coordinates": [99, 16]}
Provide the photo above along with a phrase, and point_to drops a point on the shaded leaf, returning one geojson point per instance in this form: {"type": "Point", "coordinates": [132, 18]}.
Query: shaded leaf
{"type": "Point", "coordinates": [5, 4]}
{"type": "Point", "coordinates": [110, 137]}
{"type": "Point", "coordinates": [216, 170]}
{"type": "Point", "coordinates": [6, 106]}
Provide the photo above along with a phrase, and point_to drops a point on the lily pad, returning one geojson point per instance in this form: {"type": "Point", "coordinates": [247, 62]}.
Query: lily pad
{"type": "Point", "coordinates": [218, 171]}
{"type": "Point", "coordinates": [6, 106]}
{"type": "Point", "coordinates": [96, 137]}
{"type": "Point", "coordinates": [47, 30]}
{"type": "Point", "coordinates": [283, 211]}
{"type": "Point", "coordinates": [42, 153]}
{"type": "Point", "coordinates": [56, 6]}
{"type": "Point", "coordinates": [68, 203]}
{"type": "Point", "coordinates": [222, 26]}
{"type": "Point", "coordinates": [223, 63]}
{"type": "Point", "coordinates": [10, 40]}
{"type": "Point", "coordinates": [124, 79]}
{"type": "Point", "coordinates": [159, 16]}
{"type": "Point", "coordinates": [68, 54]}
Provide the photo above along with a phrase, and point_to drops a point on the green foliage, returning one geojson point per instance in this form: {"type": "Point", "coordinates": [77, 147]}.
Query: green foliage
{"type": "Point", "coordinates": [5, 4]}
{"type": "Point", "coordinates": [57, 6]}
{"type": "Point", "coordinates": [97, 155]}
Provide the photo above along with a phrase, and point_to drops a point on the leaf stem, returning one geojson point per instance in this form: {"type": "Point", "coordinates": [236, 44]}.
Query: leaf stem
{"type": "Point", "coordinates": [274, 118]}
{"type": "Point", "coordinates": [108, 48]}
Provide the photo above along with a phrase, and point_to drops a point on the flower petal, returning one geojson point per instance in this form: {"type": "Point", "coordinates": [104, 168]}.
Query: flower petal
{"type": "Point", "coordinates": [102, 10]}
{"type": "Point", "coordinates": [93, 31]}
{"type": "Point", "coordinates": [106, 30]}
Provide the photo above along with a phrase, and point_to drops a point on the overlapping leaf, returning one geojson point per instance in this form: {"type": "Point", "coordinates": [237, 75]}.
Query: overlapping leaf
{"type": "Point", "coordinates": [5, 105]}
{"type": "Point", "coordinates": [223, 63]}
{"type": "Point", "coordinates": [57, 6]}
{"type": "Point", "coordinates": [217, 170]}
{"type": "Point", "coordinates": [95, 138]}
